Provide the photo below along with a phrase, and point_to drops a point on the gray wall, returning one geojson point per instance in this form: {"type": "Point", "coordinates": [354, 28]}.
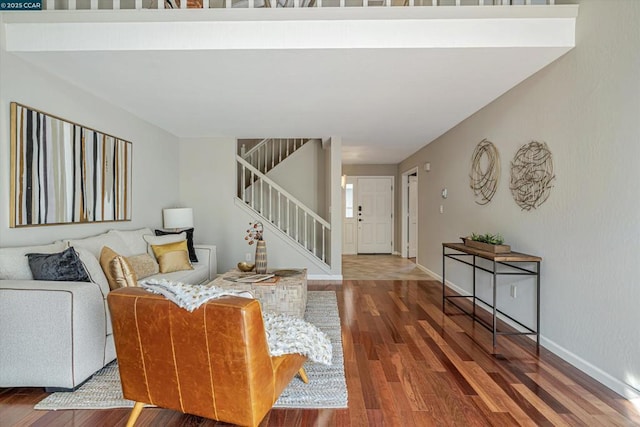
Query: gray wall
{"type": "Point", "coordinates": [586, 107]}
{"type": "Point", "coordinates": [155, 172]}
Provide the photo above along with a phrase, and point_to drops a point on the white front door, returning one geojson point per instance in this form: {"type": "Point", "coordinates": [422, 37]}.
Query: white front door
{"type": "Point", "coordinates": [413, 216]}
{"type": "Point", "coordinates": [349, 222]}
{"type": "Point", "coordinates": [374, 214]}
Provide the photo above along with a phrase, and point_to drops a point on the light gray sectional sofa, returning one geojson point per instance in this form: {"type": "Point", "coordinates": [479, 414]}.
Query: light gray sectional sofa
{"type": "Point", "coordinates": [56, 334]}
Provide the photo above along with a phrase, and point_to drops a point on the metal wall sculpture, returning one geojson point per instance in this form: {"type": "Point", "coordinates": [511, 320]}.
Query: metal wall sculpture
{"type": "Point", "coordinates": [532, 175]}
{"type": "Point", "coordinates": [62, 172]}
{"type": "Point", "coordinates": [485, 171]}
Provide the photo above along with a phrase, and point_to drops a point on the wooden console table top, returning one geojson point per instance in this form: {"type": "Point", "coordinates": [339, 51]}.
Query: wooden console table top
{"type": "Point", "coordinates": [505, 257]}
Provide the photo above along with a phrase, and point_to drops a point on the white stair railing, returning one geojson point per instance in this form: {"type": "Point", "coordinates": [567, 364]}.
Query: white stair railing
{"type": "Point", "coordinates": [272, 151]}
{"type": "Point", "coordinates": [283, 210]}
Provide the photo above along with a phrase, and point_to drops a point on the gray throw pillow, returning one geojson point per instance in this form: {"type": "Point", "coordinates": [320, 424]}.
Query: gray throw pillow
{"type": "Point", "coordinates": [63, 266]}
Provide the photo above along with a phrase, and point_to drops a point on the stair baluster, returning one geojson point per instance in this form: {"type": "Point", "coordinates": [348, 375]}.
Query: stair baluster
{"type": "Point", "coordinates": [303, 227]}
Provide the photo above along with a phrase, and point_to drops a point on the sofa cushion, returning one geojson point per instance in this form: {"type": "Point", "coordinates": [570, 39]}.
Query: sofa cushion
{"type": "Point", "coordinates": [144, 265]}
{"type": "Point", "coordinates": [62, 266]}
{"type": "Point", "coordinates": [94, 244]}
{"type": "Point", "coordinates": [189, 231]}
{"type": "Point", "coordinates": [199, 275]}
{"type": "Point", "coordinates": [106, 256]}
{"type": "Point", "coordinates": [133, 240]}
{"type": "Point", "coordinates": [94, 269]}
{"type": "Point", "coordinates": [14, 264]}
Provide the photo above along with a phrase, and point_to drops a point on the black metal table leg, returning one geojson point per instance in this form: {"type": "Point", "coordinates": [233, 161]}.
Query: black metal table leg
{"type": "Point", "coordinates": [495, 307]}
{"type": "Point", "coordinates": [443, 280]}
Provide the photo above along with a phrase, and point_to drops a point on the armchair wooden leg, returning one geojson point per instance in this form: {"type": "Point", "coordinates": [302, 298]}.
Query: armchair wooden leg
{"type": "Point", "coordinates": [135, 413]}
{"type": "Point", "coordinates": [303, 376]}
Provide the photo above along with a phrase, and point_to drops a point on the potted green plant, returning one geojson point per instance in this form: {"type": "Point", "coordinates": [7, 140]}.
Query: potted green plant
{"type": "Point", "coordinates": [487, 242]}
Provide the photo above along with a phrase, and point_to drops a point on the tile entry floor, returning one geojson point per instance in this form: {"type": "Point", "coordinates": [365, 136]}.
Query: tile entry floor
{"type": "Point", "coordinates": [381, 267]}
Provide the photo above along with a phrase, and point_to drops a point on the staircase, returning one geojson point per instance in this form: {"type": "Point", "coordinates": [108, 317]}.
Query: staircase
{"type": "Point", "coordinates": [270, 152]}
{"type": "Point", "coordinates": [303, 227]}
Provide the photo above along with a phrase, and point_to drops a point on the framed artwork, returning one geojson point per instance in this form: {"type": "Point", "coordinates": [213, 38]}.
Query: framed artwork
{"type": "Point", "coordinates": [64, 173]}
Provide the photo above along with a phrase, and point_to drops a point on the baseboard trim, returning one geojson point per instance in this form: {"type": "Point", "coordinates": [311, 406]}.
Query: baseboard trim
{"type": "Point", "coordinates": [332, 277]}
{"type": "Point", "coordinates": [429, 272]}
{"type": "Point", "coordinates": [618, 386]}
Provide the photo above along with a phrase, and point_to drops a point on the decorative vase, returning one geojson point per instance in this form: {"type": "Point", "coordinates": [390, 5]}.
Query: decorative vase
{"type": "Point", "coordinates": [261, 257]}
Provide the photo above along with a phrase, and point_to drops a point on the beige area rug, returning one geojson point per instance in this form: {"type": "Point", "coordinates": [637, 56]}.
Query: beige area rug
{"type": "Point", "coordinates": [327, 386]}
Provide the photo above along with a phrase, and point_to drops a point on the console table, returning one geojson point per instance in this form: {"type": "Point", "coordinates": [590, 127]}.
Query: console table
{"type": "Point", "coordinates": [502, 264]}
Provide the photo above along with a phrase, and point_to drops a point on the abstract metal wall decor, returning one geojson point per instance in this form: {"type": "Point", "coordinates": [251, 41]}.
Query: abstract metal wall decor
{"type": "Point", "coordinates": [485, 171]}
{"type": "Point", "coordinates": [531, 175]}
{"type": "Point", "coordinates": [62, 172]}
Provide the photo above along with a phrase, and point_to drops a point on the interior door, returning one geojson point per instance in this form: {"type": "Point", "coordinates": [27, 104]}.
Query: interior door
{"type": "Point", "coordinates": [413, 217]}
{"type": "Point", "coordinates": [374, 213]}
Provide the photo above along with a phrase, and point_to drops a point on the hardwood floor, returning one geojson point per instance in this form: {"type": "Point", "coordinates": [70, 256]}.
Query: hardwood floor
{"type": "Point", "coordinates": [406, 364]}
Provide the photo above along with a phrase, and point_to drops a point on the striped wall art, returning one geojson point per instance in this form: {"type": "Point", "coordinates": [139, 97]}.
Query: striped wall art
{"type": "Point", "coordinates": [62, 172]}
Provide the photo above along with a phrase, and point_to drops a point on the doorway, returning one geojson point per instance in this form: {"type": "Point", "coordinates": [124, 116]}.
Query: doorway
{"type": "Point", "coordinates": [368, 215]}
{"type": "Point", "coordinates": [409, 241]}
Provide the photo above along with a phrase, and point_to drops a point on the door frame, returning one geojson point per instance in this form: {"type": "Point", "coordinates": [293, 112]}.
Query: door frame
{"type": "Point", "coordinates": [404, 214]}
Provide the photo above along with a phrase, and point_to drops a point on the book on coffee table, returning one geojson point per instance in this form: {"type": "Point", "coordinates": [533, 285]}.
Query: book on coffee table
{"type": "Point", "coordinates": [254, 278]}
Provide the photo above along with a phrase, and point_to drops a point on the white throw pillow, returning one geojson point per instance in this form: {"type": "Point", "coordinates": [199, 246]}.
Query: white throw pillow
{"type": "Point", "coordinates": [14, 265]}
{"type": "Point", "coordinates": [162, 240]}
{"type": "Point", "coordinates": [133, 239]}
{"type": "Point", "coordinates": [94, 244]}
{"type": "Point", "coordinates": [94, 269]}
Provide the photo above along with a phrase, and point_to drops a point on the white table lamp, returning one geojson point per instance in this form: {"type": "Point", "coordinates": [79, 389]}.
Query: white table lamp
{"type": "Point", "coordinates": [177, 218]}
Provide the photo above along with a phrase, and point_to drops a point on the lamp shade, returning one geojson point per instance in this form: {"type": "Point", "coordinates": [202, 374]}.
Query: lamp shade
{"type": "Point", "coordinates": [177, 217]}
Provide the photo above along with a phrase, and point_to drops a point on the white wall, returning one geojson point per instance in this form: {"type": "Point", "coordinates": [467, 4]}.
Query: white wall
{"type": "Point", "coordinates": [155, 175]}
{"type": "Point", "coordinates": [208, 185]}
{"type": "Point", "coordinates": [586, 107]}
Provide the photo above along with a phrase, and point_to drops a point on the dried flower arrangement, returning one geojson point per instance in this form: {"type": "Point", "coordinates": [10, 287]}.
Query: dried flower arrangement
{"type": "Point", "coordinates": [254, 232]}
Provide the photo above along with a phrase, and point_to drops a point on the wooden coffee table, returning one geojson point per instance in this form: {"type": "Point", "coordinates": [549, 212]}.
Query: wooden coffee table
{"type": "Point", "coordinates": [287, 295]}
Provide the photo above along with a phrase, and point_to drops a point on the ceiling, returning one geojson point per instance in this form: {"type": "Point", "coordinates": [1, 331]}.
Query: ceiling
{"type": "Point", "coordinates": [385, 103]}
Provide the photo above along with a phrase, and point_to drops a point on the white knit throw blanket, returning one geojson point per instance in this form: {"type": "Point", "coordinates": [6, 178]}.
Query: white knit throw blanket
{"type": "Point", "coordinates": [285, 334]}
{"type": "Point", "coordinates": [189, 296]}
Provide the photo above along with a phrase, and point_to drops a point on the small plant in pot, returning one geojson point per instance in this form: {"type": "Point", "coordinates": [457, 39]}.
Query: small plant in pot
{"type": "Point", "coordinates": [492, 239]}
{"type": "Point", "coordinates": [487, 242]}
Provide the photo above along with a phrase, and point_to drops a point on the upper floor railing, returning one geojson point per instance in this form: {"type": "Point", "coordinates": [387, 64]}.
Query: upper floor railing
{"type": "Point", "coordinates": [270, 152]}
{"type": "Point", "coordinates": [222, 4]}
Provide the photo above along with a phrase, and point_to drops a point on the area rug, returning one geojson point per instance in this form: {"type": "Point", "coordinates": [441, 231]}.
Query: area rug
{"type": "Point", "coordinates": [327, 387]}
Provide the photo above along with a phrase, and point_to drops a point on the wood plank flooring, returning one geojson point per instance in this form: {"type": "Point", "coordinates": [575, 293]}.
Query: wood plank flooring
{"type": "Point", "coordinates": [407, 364]}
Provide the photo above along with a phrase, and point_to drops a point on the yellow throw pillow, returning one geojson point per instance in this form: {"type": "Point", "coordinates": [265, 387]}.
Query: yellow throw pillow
{"type": "Point", "coordinates": [118, 271]}
{"type": "Point", "coordinates": [169, 247]}
{"type": "Point", "coordinates": [172, 256]}
{"type": "Point", "coordinates": [122, 272]}
{"type": "Point", "coordinates": [106, 256]}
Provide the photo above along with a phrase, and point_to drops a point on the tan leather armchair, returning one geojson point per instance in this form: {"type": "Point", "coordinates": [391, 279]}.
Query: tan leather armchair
{"type": "Point", "coordinates": [213, 362]}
